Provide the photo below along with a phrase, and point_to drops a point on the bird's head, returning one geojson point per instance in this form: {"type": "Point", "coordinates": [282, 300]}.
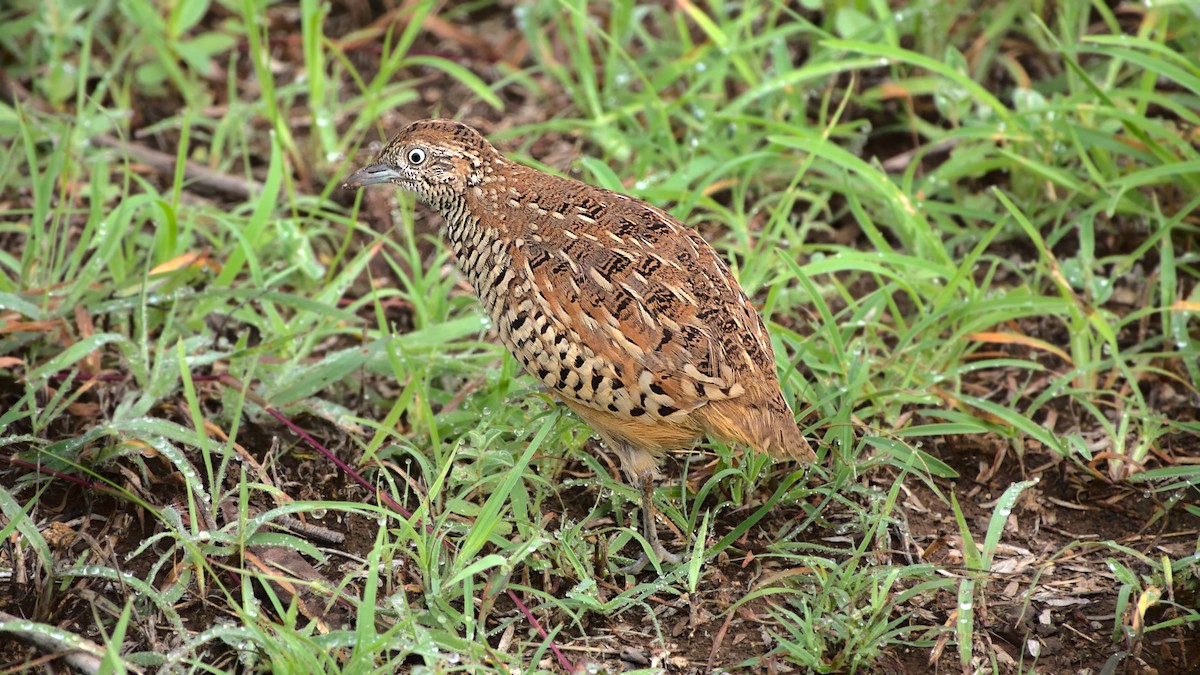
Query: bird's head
{"type": "Point", "coordinates": [435, 159]}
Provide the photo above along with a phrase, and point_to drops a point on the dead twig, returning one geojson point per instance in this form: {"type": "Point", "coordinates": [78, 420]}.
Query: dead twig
{"type": "Point", "coordinates": [234, 187]}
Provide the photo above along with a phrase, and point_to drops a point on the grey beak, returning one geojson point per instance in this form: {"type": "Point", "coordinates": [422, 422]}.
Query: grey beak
{"type": "Point", "coordinates": [371, 174]}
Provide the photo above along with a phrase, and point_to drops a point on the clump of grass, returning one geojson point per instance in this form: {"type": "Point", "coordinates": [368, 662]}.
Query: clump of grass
{"type": "Point", "coordinates": [949, 238]}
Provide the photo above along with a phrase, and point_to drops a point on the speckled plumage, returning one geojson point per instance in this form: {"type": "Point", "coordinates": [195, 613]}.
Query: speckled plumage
{"type": "Point", "coordinates": [629, 316]}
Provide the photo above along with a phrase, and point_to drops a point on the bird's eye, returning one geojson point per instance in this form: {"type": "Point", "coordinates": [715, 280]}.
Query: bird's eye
{"type": "Point", "coordinates": [416, 156]}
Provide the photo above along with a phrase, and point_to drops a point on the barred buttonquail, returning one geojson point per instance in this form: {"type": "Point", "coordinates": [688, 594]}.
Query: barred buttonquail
{"type": "Point", "coordinates": [626, 314]}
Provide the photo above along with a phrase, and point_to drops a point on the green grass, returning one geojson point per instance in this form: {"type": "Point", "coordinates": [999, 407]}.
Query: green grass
{"type": "Point", "coordinates": [979, 288]}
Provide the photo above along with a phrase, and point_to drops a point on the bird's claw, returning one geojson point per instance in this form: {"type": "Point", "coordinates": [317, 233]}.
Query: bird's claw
{"type": "Point", "coordinates": [660, 553]}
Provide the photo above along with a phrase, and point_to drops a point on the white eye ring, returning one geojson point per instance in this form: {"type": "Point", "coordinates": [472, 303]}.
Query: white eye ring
{"type": "Point", "coordinates": [416, 156]}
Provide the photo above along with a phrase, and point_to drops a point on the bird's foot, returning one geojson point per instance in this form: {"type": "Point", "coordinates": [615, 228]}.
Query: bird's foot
{"type": "Point", "coordinates": [649, 531]}
{"type": "Point", "coordinates": [661, 554]}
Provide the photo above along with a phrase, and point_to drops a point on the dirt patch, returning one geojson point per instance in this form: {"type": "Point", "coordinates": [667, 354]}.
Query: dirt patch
{"type": "Point", "coordinates": [1054, 590]}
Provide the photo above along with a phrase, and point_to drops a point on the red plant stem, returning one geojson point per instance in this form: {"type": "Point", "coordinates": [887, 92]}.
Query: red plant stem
{"type": "Point", "coordinates": [358, 478]}
{"type": "Point", "coordinates": [562, 658]}
{"type": "Point", "coordinates": [89, 484]}
{"type": "Point", "coordinates": [230, 381]}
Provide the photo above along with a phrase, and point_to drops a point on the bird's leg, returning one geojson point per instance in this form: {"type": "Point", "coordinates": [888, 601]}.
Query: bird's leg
{"type": "Point", "coordinates": [649, 529]}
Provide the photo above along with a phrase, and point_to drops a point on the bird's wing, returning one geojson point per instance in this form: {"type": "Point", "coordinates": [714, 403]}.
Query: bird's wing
{"type": "Point", "coordinates": [667, 328]}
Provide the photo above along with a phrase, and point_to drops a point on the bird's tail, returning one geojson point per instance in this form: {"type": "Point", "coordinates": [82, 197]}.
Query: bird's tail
{"type": "Point", "coordinates": [764, 423]}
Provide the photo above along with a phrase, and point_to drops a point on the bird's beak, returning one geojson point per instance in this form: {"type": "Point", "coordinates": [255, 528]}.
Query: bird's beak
{"type": "Point", "coordinates": [371, 174]}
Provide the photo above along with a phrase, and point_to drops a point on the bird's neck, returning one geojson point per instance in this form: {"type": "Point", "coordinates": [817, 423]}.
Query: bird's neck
{"type": "Point", "coordinates": [479, 251]}
{"type": "Point", "coordinates": [461, 224]}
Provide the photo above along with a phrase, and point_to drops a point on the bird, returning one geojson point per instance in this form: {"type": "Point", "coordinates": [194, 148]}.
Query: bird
{"type": "Point", "coordinates": [627, 315]}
